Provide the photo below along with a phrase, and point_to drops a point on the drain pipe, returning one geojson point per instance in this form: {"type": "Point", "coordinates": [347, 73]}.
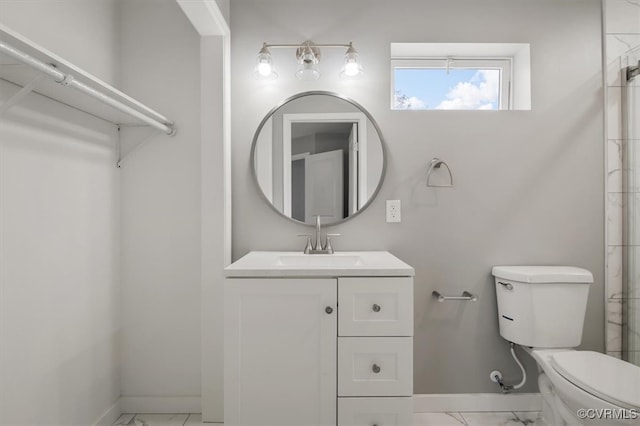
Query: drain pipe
{"type": "Point", "coordinates": [496, 375]}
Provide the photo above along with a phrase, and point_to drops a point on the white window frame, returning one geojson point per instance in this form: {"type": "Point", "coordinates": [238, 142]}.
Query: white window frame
{"type": "Point", "coordinates": [504, 64]}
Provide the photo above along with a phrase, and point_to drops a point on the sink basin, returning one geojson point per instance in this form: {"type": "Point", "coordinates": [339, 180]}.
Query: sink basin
{"type": "Point", "coordinates": [320, 260]}
{"type": "Point", "coordinates": [298, 264]}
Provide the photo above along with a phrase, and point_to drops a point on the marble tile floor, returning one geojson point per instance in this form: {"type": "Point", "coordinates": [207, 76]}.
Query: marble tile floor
{"type": "Point", "coordinates": [501, 418]}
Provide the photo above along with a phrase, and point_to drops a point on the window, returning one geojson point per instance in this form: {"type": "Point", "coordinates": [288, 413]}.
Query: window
{"type": "Point", "coordinates": [460, 76]}
{"type": "Point", "coordinates": [451, 83]}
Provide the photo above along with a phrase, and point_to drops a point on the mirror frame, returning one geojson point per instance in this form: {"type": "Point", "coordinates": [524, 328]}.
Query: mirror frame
{"type": "Point", "coordinates": [374, 194]}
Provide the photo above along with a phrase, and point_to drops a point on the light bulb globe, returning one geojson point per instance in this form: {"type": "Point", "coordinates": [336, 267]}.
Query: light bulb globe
{"type": "Point", "coordinates": [264, 69]}
{"type": "Point", "coordinates": [352, 68]}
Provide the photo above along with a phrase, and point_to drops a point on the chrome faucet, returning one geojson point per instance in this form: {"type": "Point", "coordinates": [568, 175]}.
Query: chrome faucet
{"type": "Point", "coordinates": [318, 248]}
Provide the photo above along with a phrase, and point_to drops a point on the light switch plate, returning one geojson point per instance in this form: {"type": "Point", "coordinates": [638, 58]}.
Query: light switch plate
{"type": "Point", "coordinates": [394, 213]}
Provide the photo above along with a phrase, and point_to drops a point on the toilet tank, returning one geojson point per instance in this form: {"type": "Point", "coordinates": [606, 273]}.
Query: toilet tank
{"type": "Point", "coordinates": [542, 306]}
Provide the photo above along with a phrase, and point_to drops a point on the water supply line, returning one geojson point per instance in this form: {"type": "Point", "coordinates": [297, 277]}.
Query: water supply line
{"type": "Point", "coordinates": [496, 375]}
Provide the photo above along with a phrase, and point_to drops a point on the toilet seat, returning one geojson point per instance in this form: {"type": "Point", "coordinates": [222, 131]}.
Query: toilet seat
{"type": "Point", "coordinates": [605, 377]}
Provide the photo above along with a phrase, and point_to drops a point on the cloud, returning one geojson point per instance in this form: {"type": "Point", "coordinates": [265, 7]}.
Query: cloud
{"type": "Point", "coordinates": [416, 103]}
{"type": "Point", "coordinates": [478, 93]}
{"type": "Point", "coordinates": [403, 102]}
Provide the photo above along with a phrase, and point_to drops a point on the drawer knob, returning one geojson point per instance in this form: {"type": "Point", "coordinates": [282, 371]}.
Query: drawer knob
{"type": "Point", "coordinates": [376, 368]}
{"type": "Point", "coordinates": [328, 309]}
{"type": "Point", "coordinates": [376, 307]}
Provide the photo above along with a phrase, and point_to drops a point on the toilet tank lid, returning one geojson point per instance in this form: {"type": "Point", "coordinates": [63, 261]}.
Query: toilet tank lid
{"type": "Point", "coordinates": [543, 274]}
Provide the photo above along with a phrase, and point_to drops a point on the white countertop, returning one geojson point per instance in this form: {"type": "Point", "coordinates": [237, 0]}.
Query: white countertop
{"type": "Point", "coordinates": [298, 264]}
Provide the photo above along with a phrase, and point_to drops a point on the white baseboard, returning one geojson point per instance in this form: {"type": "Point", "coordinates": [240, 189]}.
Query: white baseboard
{"type": "Point", "coordinates": [422, 403]}
{"type": "Point", "coordinates": [161, 404]}
{"type": "Point", "coordinates": [111, 415]}
{"type": "Point", "coordinates": [427, 403]}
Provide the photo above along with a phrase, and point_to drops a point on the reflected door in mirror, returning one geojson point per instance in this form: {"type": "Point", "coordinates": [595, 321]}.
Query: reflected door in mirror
{"type": "Point", "coordinates": [317, 187]}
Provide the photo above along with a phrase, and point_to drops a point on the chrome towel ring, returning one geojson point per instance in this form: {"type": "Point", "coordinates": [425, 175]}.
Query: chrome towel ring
{"type": "Point", "coordinates": [436, 163]}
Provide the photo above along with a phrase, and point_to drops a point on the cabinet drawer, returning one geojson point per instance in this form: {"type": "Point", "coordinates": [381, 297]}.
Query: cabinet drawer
{"type": "Point", "coordinates": [375, 366]}
{"type": "Point", "coordinates": [375, 411]}
{"type": "Point", "coordinates": [381, 306]}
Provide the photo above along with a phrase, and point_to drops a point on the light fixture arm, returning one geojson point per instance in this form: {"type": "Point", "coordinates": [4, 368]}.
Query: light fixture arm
{"type": "Point", "coordinates": [264, 50]}
{"type": "Point", "coordinates": [296, 46]}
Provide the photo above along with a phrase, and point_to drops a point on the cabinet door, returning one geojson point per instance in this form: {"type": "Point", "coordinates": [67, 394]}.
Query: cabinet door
{"type": "Point", "coordinates": [280, 352]}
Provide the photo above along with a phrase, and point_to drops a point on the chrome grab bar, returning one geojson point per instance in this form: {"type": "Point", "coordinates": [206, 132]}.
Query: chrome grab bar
{"type": "Point", "coordinates": [465, 296]}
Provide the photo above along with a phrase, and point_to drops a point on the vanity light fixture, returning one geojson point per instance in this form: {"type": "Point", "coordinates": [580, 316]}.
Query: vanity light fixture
{"type": "Point", "coordinates": [308, 57]}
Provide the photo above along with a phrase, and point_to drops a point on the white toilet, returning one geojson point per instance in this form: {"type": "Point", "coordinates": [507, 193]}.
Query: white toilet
{"type": "Point", "coordinates": [542, 308]}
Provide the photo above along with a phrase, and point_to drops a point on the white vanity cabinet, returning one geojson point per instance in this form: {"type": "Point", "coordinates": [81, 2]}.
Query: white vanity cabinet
{"type": "Point", "coordinates": [321, 349]}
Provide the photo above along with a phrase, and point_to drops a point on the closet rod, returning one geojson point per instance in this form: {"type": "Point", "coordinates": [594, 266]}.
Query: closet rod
{"type": "Point", "coordinates": [68, 80]}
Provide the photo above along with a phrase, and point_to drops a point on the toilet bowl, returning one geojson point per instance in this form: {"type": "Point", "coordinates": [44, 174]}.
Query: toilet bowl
{"type": "Point", "coordinates": [542, 308]}
{"type": "Point", "coordinates": [587, 388]}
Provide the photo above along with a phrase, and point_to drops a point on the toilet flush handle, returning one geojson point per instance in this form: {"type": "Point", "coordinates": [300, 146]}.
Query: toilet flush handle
{"type": "Point", "coordinates": [508, 286]}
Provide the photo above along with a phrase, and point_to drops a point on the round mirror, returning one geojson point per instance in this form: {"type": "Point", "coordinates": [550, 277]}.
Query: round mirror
{"type": "Point", "coordinates": [318, 154]}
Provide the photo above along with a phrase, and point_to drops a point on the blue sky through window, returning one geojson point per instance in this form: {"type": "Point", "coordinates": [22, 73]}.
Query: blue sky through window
{"type": "Point", "coordinates": [434, 88]}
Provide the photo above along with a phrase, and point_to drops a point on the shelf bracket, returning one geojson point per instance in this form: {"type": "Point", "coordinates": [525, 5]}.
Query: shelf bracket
{"type": "Point", "coordinates": [143, 142]}
{"type": "Point", "coordinates": [20, 95]}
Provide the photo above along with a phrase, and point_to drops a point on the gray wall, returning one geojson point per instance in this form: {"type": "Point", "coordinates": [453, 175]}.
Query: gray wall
{"type": "Point", "coordinates": [529, 184]}
{"type": "Point", "coordinates": [60, 325]}
{"type": "Point", "coordinates": [83, 32]}
{"type": "Point", "coordinates": [161, 204]}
